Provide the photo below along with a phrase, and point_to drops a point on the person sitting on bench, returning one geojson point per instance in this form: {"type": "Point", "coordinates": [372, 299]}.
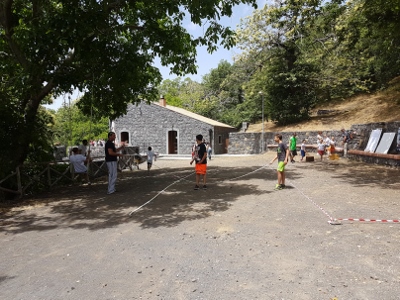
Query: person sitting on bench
{"type": "Point", "coordinates": [79, 161]}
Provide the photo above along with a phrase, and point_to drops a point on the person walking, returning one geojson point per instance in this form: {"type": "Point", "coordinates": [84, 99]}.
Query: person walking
{"type": "Point", "coordinates": [303, 150]}
{"type": "Point", "coordinates": [282, 155]}
{"type": "Point", "coordinates": [200, 158]}
{"type": "Point", "coordinates": [111, 159]}
{"type": "Point", "coordinates": [150, 158]}
{"type": "Point", "coordinates": [293, 147]}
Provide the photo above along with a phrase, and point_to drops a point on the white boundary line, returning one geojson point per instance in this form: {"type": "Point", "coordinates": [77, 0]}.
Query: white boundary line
{"type": "Point", "coordinates": [332, 221]}
{"type": "Point", "coordinates": [159, 193]}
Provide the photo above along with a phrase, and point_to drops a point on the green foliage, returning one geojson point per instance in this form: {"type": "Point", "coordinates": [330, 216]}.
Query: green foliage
{"type": "Point", "coordinates": [72, 126]}
{"type": "Point", "coordinates": [105, 48]}
{"type": "Point", "coordinates": [274, 40]}
{"type": "Point", "coordinates": [292, 94]}
{"type": "Point", "coordinates": [171, 90]}
{"type": "Point", "coordinates": [299, 53]}
{"type": "Point", "coordinates": [11, 121]}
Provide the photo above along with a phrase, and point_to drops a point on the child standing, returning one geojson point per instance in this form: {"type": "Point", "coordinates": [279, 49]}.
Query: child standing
{"type": "Point", "coordinates": [200, 158]}
{"type": "Point", "coordinates": [321, 148]}
{"type": "Point", "coordinates": [332, 144]}
{"type": "Point", "coordinates": [150, 157]}
{"type": "Point", "coordinates": [282, 154]}
{"type": "Point", "coordinates": [209, 150]}
{"type": "Point", "coordinates": [303, 149]}
{"type": "Point", "coordinates": [327, 142]}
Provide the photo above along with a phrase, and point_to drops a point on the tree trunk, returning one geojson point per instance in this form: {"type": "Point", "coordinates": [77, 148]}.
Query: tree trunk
{"type": "Point", "coordinates": [23, 137]}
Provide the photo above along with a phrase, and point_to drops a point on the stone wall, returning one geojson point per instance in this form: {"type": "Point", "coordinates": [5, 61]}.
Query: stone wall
{"type": "Point", "coordinates": [250, 143]}
{"type": "Point", "coordinates": [244, 143]}
{"type": "Point", "coordinates": [363, 132]}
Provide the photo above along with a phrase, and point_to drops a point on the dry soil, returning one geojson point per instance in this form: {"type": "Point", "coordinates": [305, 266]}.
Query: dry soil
{"type": "Point", "coordinates": [239, 239]}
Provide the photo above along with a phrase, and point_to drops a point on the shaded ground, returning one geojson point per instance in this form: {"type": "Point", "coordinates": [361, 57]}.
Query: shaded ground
{"type": "Point", "coordinates": [239, 239]}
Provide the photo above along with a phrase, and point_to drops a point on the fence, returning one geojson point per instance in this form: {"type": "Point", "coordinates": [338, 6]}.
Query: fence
{"type": "Point", "coordinates": [33, 178]}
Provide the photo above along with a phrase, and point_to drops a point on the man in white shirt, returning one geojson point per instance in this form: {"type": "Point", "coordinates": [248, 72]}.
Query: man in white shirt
{"type": "Point", "coordinates": [79, 161]}
{"type": "Point", "coordinates": [83, 147]}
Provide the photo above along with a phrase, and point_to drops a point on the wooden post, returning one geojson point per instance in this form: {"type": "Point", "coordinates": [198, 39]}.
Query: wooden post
{"type": "Point", "coordinates": [48, 175]}
{"type": "Point", "coordinates": [19, 184]}
{"type": "Point", "coordinates": [72, 170]}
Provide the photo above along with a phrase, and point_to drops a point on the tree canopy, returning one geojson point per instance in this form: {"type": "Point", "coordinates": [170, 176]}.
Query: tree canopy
{"type": "Point", "coordinates": [298, 54]}
{"type": "Point", "coordinates": [105, 48]}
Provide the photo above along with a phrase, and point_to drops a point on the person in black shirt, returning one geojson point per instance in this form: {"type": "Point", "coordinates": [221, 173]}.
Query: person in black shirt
{"type": "Point", "coordinates": [200, 157]}
{"type": "Point", "coordinates": [111, 159]}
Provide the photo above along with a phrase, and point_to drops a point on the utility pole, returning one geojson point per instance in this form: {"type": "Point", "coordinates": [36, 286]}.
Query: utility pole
{"type": "Point", "coordinates": [262, 130]}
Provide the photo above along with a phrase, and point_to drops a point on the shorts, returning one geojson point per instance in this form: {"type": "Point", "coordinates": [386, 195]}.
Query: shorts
{"type": "Point", "coordinates": [321, 152]}
{"type": "Point", "coordinates": [303, 153]}
{"type": "Point", "coordinates": [201, 169]}
{"type": "Point", "coordinates": [281, 166]}
{"type": "Point", "coordinates": [294, 152]}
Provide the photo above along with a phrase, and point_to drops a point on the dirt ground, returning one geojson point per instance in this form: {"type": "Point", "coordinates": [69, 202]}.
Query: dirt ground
{"type": "Point", "coordinates": [239, 239]}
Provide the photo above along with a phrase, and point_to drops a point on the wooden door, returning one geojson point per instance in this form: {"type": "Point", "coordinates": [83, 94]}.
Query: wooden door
{"type": "Point", "coordinates": [226, 146]}
{"type": "Point", "coordinates": [172, 142]}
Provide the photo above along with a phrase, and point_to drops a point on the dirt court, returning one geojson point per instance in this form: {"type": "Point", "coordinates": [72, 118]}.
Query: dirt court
{"type": "Point", "coordinates": [239, 239]}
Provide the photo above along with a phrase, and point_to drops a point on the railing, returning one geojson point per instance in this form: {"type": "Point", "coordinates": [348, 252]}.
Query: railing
{"type": "Point", "coordinates": [40, 176]}
{"type": "Point", "coordinates": [43, 175]}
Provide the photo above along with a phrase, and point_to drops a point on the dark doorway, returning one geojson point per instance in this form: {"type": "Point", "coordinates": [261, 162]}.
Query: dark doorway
{"type": "Point", "coordinates": [172, 142]}
{"type": "Point", "coordinates": [125, 137]}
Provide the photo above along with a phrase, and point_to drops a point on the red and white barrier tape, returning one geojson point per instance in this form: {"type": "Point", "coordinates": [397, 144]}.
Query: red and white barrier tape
{"type": "Point", "coordinates": [369, 220]}
{"type": "Point", "coordinates": [337, 221]}
{"type": "Point", "coordinates": [331, 219]}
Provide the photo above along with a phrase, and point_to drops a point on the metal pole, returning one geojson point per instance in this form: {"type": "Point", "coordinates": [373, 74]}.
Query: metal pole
{"type": "Point", "coordinates": [262, 134]}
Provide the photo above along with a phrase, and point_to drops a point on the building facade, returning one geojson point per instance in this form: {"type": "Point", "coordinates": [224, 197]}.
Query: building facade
{"type": "Point", "coordinates": [168, 129]}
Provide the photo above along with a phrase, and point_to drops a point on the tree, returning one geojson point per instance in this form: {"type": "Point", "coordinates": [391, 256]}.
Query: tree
{"type": "Point", "coordinates": [106, 48]}
{"type": "Point", "coordinates": [274, 36]}
{"type": "Point", "coordinates": [71, 126]}
{"type": "Point", "coordinates": [170, 89]}
{"type": "Point", "coordinates": [379, 37]}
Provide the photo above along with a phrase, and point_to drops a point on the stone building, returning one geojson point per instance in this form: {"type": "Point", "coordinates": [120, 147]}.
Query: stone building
{"type": "Point", "coordinates": [169, 129]}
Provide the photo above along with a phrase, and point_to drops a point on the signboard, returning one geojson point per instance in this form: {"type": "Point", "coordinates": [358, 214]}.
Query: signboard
{"type": "Point", "coordinates": [373, 140]}
{"type": "Point", "coordinates": [398, 141]}
{"type": "Point", "coordinates": [385, 143]}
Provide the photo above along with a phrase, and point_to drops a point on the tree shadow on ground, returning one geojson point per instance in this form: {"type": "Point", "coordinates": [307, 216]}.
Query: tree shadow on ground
{"type": "Point", "coordinates": [171, 200]}
{"type": "Point", "coordinates": [5, 278]}
{"type": "Point", "coordinates": [360, 174]}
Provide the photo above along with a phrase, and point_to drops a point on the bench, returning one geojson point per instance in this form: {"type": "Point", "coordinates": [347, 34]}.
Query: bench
{"type": "Point", "coordinates": [378, 158]}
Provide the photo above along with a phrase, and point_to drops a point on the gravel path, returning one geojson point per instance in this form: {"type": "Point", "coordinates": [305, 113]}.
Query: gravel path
{"type": "Point", "coordinates": [239, 239]}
